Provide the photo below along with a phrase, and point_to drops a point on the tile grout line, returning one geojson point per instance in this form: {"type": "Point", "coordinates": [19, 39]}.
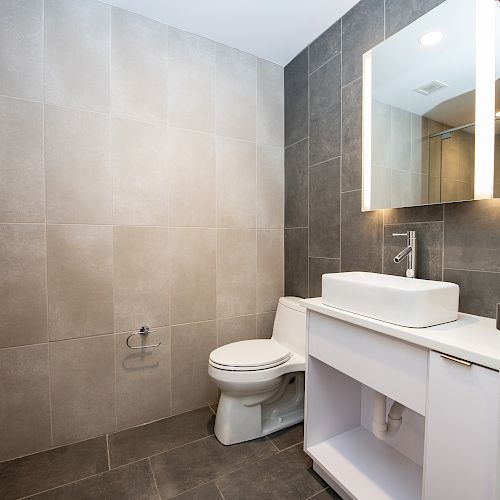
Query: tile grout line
{"type": "Point", "coordinates": [271, 441]}
{"type": "Point", "coordinates": [154, 477]}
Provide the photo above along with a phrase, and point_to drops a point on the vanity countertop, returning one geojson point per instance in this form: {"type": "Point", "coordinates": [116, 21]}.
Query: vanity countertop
{"type": "Point", "coordinates": [473, 338]}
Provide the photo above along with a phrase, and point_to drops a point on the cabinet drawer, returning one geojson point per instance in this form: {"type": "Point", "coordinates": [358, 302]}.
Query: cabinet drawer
{"type": "Point", "coordinates": [390, 366]}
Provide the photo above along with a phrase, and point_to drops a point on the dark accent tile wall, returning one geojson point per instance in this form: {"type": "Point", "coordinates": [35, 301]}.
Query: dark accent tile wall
{"type": "Point", "coordinates": [458, 242]}
{"type": "Point", "coordinates": [296, 98]}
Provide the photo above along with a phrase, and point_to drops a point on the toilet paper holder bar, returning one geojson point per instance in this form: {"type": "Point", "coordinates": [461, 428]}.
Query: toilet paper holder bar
{"type": "Point", "coordinates": [144, 330]}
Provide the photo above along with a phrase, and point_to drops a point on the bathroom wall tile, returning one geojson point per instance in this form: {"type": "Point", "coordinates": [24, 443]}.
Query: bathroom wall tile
{"type": "Point", "coordinates": [82, 388]}
{"type": "Point", "coordinates": [325, 112]}
{"type": "Point", "coordinates": [400, 13]}
{"type": "Point", "coordinates": [324, 209]}
{"type": "Point", "coordinates": [52, 468]}
{"type": "Point", "coordinates": [138, 67]}
{"type": "Point", "coordinates": [479, 291]}
{"type": "Point", "coordinates": [361, 236]}
{"type": "Point", "coordinates": [147, 440]}
{"type": "Point", "coordinates": [23, 286]}
{"type": "Point", "coordinates": [296, 98]}
{"type": "Point", "coordinates": [140, 277]}
{"type": "Point", "coordinates": [236, 183]}
{"type": "Point", "coordinates": [236, 100]}
{"type": "Point", "coordinates": [326, 46]}
{"type": "Point", "coordinates": [77, 170]}
{"type": "Point", "coordinates": [318, 267]}
{"type": "Point", "coordinates": [77, 49]}
{"type": "Point", "coordinates": [472, 235]}
{"type": "Point", "coordinates": [270, 268]}
{"type": "Point", "coordinates": [296, 185]}
{"type": "Point", "coordinates": [142, 378]}
{"type": "Point", "coordinates": [362, 29]}
{"type": "Point", "coordinates": [270, 103]}
{"type": "Point", "coordinates": [132, 481]}
{"type": "Point", "coordinates": [235, 329]}
{"type": "Point", "coordinates": [426, 213]}
{"type": "Point", "coordinates": [139, 159]}
{"type": "Point", "coordinates": [191, 93]}
{"type": "Point", "coordinates": [192, 276]}
{"type": "Point", "coordinates": [174, 471]}
{"type": "Point", "coordinates": [191, 347]}
{"type": "Point", "coordinates": [400, 139]}
{"type": "Point", "coordinates": [429, 245]}
{"type": "Point", "coordinates": [270, 186]}
{"type": "Point", "coordinates": [80, 273]}
{"type": "Point", "coordinates": [296, 263]}
{"type": "Point", "coordinates": [21, 161]}
{"type": "Point", "coordinates": [21, 49]}
{"type": "Point", "coordinates": [351, 136]}
{"type": "Point", "coordinates": [265, 324]}
{"type": "Point", "coordinates": [24, 402]}
{"type": "Point", "coordinates": [193, 182]}
{"type": "Point", "coordinates": [236, 272]}
{"type": "Point", "coordinates": [289, 471]}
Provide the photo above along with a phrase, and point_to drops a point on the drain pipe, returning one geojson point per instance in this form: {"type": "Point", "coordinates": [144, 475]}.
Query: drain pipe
{"type": "Point", "coordinates": [386, 429]}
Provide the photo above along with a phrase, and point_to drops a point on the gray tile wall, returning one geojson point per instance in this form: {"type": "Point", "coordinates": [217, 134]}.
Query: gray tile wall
{"type": "Point", "coordinates": [325, 230]}
{"type": "Point", "coordinates": [142, 182]}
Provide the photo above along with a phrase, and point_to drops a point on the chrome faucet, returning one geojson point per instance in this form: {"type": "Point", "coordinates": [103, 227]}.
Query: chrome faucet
{"type": "Point", "coordinates": [410, 252]}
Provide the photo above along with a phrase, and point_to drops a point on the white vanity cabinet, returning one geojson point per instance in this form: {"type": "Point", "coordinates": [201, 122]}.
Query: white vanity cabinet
{"type": "Point", "coordinates": [461, 432]}
{"type": "Point", "coordinates": [448, 445]}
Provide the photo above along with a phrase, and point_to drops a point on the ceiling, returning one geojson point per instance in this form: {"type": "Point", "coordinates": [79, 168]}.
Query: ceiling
{"type": "Point", "coordinates": [276, 30]}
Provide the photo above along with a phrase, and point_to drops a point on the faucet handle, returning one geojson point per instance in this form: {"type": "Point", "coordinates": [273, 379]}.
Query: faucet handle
{"type": "Point", "coordinates": [400, 234]}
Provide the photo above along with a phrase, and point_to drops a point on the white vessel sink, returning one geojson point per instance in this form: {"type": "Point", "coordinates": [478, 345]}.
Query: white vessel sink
{"type": "Point", "coordinates": [402, 301]}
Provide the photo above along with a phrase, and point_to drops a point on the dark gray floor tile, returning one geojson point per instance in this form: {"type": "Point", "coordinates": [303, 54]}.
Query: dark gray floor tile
{"type": "Point", "coordinates": [351, 136]}
{"type": "Point", "coordinates": [288, 437]}
{"type": "Point", "coordinates": [325, 112]}
{"type": "Point", "coordinates": [141, 442]}
{"type": "Point", "coordinates": [318, 267]}
{"type": "Point", "coordinates": [324, 209]}
{"type": "Point", "coordinates": [296, 185]}
{"type": "Point", "coordinates": [429, 249]}
{"type": "Point", "coordinates": [479, 291]}
{"type": "Point", "coordinates": [326, 495]}
{"type": "Point", "coordinates": [362, 29]}
{"type": "Point", "coordinates": [400, 13]}
{"type": "Point", "coordinates": [472, 235]}
{"type": "Point", "coordinates": [208, 491]}
{"type": "Point", "coordinates": [362, 234]}
{"type": "Point", "coordinates": [50, 469]}
{"type": "Point", "coordinates": [296, 263]}
{"type": "Point", "coordinates": [326, 46]}
{"type": "Point", "coordinates": [132, 482]}
{"type": "Point", "coordinates": [296, 108]}
{"type": "Point", "coordinates": [425, 213]}
{"type": "Point", "coordinates": [194, 464]}
{"type": "Point", "coordinates": [286, 475]}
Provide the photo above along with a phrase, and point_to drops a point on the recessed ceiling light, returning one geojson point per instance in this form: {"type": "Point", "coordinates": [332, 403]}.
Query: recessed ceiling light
{"type": "Point", "coordinates": [430, 38]}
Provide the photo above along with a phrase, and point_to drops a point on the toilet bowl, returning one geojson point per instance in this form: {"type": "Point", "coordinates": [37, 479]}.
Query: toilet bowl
{"type": "Point", "coordinates": [262, 381]}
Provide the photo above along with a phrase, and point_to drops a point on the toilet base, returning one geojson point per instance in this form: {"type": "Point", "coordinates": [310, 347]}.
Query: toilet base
{"type": "Point", "coordinates": [240, 418]}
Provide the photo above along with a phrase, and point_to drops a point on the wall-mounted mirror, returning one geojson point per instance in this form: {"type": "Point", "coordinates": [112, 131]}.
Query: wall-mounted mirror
{"type": "Point", "coordinates": [421, 106]}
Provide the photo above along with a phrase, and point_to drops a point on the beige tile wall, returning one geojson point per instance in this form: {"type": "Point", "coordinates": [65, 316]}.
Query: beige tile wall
{"type": "Point", "coordinates": [142, 183]}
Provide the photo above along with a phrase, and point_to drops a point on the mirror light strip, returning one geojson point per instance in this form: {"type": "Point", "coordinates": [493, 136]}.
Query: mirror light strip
{"type": "Point", "coordinates": [367, 132]}
{"type": "Point", "coordinates": [485, 99]}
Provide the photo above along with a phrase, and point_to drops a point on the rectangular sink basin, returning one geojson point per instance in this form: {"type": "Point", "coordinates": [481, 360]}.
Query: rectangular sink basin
{"type": "Point", "coordinates": [402, 301]}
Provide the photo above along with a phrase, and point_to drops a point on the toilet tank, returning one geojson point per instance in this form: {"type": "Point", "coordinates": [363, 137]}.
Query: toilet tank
{"type": "Point", "coordinates": [290, 325]}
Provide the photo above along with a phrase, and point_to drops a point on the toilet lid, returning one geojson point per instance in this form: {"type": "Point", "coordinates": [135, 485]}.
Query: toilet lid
{"type": "Point", "coordinates": [250, 355]}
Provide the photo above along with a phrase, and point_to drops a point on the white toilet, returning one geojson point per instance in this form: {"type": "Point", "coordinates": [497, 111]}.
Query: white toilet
{"type": "Point", "coordinates": [262, 381]}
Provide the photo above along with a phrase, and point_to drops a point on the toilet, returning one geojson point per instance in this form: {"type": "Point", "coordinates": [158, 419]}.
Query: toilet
{"type": "Point", "coordinates": [262, 381]}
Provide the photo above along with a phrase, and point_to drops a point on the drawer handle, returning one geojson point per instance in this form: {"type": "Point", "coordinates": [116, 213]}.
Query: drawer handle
{"type": "Point", "coordinates": [457, 360]}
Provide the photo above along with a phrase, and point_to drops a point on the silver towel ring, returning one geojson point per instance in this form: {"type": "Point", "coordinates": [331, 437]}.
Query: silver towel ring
{"type": "Point", "coordinates": [143, 331]}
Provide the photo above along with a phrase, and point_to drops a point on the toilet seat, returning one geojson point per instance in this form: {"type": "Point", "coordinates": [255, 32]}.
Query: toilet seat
{"type": "Point", "coordinates": [250, 355]}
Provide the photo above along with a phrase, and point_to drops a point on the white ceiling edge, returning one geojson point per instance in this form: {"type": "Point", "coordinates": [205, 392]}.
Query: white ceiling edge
{"type": "Point", "coordinates": [275, 30]}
